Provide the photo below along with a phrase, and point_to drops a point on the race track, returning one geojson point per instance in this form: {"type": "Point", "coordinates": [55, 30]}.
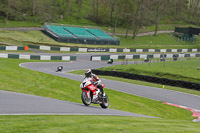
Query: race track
{"type": "Point", "coordinates": [41, 105]}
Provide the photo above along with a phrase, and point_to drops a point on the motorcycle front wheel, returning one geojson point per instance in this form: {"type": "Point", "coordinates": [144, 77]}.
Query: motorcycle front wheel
{"type": "Point", "coordinates": [86, 100]}
{"type": "Point", "coordinates": [105, 102]}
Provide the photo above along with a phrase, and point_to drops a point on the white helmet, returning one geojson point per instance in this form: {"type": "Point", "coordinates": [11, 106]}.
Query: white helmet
{"type": "Point", "coordinates": [88, 72]}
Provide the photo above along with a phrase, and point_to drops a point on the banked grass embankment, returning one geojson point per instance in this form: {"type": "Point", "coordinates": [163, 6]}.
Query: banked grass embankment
{"type": "Point", "coordinates": [162, 41]}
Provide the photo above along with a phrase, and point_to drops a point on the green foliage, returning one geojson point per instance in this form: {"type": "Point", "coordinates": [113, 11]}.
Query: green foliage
{"type": "Point", "coordinates": [68, 11]}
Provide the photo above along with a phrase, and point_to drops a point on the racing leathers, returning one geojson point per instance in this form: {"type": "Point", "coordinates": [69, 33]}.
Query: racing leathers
{"type": "Point", "coordinates": [97, 82]}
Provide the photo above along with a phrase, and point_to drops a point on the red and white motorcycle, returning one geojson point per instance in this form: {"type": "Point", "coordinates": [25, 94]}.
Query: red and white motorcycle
{"type": "Point", "coordinates": [92, 94]}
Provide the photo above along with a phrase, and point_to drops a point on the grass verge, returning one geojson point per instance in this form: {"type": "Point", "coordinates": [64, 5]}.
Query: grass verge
{"type": "Point", "coordinates": [97, 124]}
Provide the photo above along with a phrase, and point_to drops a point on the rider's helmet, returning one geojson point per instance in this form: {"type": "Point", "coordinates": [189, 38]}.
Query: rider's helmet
{"type": "Point", "coordinates": [88, 72]}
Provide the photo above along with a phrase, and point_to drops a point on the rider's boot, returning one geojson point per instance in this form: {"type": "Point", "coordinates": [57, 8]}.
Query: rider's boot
{"type": "Point", "coordinates": [104, 94]}
{"type": "Point", "coordinates": [94, 98]}
{"type": "Point", "coordinates": [102, 90]}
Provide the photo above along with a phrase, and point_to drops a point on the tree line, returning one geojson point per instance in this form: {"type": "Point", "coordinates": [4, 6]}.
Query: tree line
{"type": "Point", "coordinates": [130, 14]}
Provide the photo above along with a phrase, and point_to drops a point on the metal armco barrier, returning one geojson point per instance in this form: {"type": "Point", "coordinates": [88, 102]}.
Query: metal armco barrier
{"type": "Point", "coordinates": [163, 81]}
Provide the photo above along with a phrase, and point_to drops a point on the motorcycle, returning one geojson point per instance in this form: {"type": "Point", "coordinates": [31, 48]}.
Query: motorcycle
{"type": "Point", "coordinates": [92, 94]}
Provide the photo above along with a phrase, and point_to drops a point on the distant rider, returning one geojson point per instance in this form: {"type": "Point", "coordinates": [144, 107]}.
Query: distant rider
{"type": "Point", "coordinates": [97, 81]}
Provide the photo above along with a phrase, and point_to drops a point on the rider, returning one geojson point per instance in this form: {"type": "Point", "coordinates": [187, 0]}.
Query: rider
{"type": "Point", "coordinates": [97, 81]}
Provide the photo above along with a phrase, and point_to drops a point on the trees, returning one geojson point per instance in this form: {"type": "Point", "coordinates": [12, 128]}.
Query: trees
{"type": "Point", "coordinates": [160, 9]}
{"type": "Point", "coordinates": [130, 14]}
{"type": "Point", "coordinates": [194, 10]}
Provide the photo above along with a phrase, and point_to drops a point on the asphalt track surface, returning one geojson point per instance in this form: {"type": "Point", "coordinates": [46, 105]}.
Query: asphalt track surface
{"type": "Point", "coordinates": [15, 103]}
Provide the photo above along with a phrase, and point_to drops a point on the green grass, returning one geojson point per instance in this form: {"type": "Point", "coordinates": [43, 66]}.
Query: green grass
{"type": "Point", "coordinates": [22, 38]}
{"type": "Point", "coordinates": [80, 72]}
{"type": "Point", "coordinates": [16, 51]}
{"type": "Point", "coordinates": [164, 27]}
{"type": "Point", "coordinates": [97, 124]}
{"type": "Point", "coordinates": [178, 70]}
{"type": "Point", "coordinates": [6, 24]}
{"type": "Point", "coordinates": [17, 79]}
{"type": "Point", "coordinates": [160, 41]}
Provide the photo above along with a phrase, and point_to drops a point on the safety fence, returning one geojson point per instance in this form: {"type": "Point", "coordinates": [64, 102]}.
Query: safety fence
{"type": "Point", "coordinates": [111, 49]}
{"type": "Point", "coordinates": [142, 56]}
{"type": "Point", "coordinates": [38, 57]}
{"type": "Point", "coordinates": [163, 81]}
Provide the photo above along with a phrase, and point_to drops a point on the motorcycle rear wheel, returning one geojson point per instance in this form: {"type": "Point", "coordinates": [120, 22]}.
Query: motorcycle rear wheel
{"type": "Point", "coordinates": [105, 102]}
{"type": "Point", "coordinates": [86, 100]}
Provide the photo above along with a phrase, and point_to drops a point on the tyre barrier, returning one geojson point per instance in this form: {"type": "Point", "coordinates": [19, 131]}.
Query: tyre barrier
{"type": "Point", "coordinates": [162, 81]}
{"type": "Point", "coordinates": [125, 50]}
{"type": "Point", "coordinates": [37, 57]}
